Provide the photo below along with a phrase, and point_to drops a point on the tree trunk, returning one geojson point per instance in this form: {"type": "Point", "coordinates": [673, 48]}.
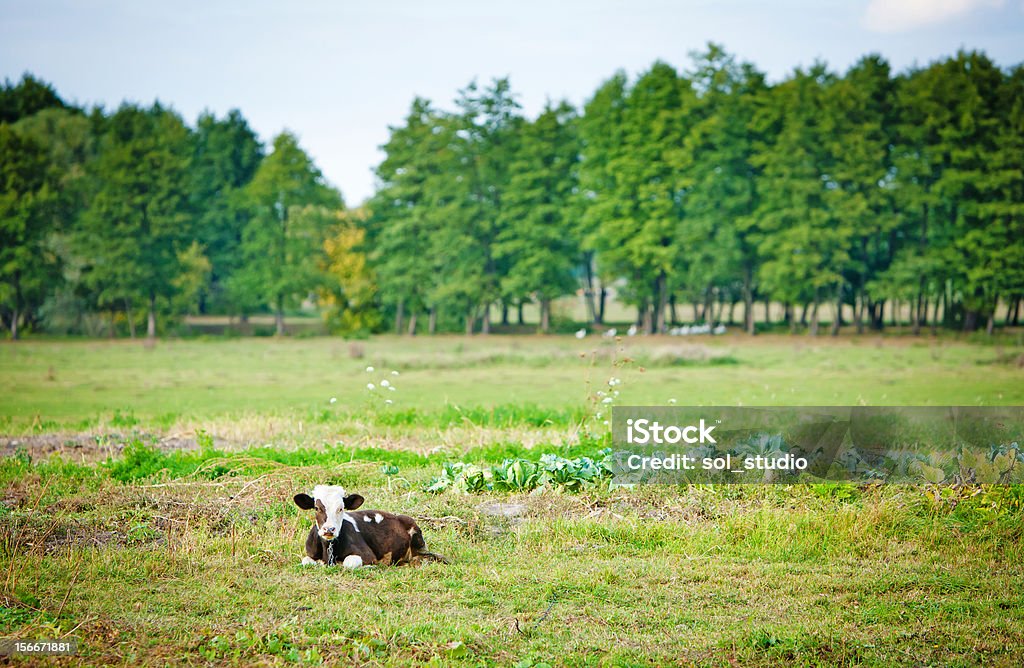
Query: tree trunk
{"type": "Point", "coordinates": [673, 316]}
{"type": "Point", "coordinates": [732, 312]}
{"type": "Point", "coordinates": [660, 302]}
{"type": "Point", "coordinates": [648, 320]}
{"type": "Point", "coordinates": [603, 298]}
{"type": "Point", "coordinates": [151, 321]}
{"type": "Point", "coordinates": [14, 323]}
{"type": "Point", "coordinates": [858, 311]}
{"type": "Point", "coordinates": [915, 314]}
{"type": "Point", "coordinates": [485, 322]}
{"type": "Point", "coordinates": [545, 315]}
{"type": "Point", "coordinates": [588, 289]}
{"type": "Point", "coordinates": [814, 314]}
{"type": "Point", "coordinates": [279, 316]}
{"type": "Point", "coordinates": [131, 320]}
{"type": "Point", "coordinates": [504, 312]}
{"type": "Point", "coordinates": [970, 320]}
{"type": "Point", "coordinates": [696, 312]}
{"type": "Point", "coordinates": [399, 315]}
{"type": "Point", "coordinates": [522, 321]}
{"type": "Point", "coordinates": [412, 323]}
{"type": "Point", "coordinates": [803, 314]}
{"type": "Point", "coordinates": [1016, 313]}
{"type": "Point", "coordinates": [432, 321]}
{"type": "Point", "coordinates": [837, 321]}
{"type": "Point", "coordinates": [470, 320]}
{"type": "Point", "coordinates": [935, 317]}
{"type": "Point", "coordinates": [990, 326]}
{"type": "Point", "coordinates": [748, 301]}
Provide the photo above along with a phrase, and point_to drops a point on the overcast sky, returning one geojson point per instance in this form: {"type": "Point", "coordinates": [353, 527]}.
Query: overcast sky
{"type": "Point", "coordinates": [337, 73]}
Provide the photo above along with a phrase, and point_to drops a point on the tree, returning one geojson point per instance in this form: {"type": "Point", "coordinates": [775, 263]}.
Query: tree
{"type": "Point", "coordinates": [638, 240]}
{"type": "Point", "coordinates": [26, 266]}
{"type": "Point", "coordinates": [719, 179]}
{"type": "Point", "coordinates": [484, 143]}
{"type": "Point", "coordinates": [600, 132]}
{"type": "Point", "coordinates": [805, 249]}
{"type": "Point", "coordinates": [289, 208]}
{"type": "Point", "coordinates": [227, 154]}
{"type": "Point", "coordinates": [535, 243]}
{"type": "Point", "coordinates": [27, 97]}
{"type": "Point", "coordinates": [138, 220]}
{"type": "Point", "coordinates": [349, 290]}
{"type": "Point", "coordinates": [408, 210]}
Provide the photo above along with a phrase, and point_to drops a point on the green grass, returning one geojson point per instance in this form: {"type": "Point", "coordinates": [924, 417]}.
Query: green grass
{"type": "Point", "coordinates": [81, 385]}
{"type": "Point", "coordinates": [166, 533]}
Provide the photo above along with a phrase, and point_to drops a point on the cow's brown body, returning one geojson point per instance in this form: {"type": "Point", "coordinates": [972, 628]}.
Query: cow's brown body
{"type": "Point", "coordinates": [394, 539]}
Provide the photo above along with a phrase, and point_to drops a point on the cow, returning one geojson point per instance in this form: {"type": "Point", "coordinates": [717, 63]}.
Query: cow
{"type": "Point", "coordinates": [360, 537]}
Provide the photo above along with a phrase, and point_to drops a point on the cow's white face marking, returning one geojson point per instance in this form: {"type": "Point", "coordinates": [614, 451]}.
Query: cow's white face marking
{"type": "Point", "coordinates": [379, 518]}
{"type": "Point", "coordinates": [366, 518]}
{"type": "Point", "coordinates": [352, 561]}
{"type": "Point", "coordinates": [331, 499]}
{"type": "Point", "coordinates": [412, 531]}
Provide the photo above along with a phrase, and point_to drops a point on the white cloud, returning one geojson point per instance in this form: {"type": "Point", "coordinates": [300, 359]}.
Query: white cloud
{"type": "Point", "coordinates": [900, 15]}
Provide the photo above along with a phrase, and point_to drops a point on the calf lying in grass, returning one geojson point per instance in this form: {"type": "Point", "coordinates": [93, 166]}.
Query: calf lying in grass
{"type": "Point", "coordinates": [359, 538]}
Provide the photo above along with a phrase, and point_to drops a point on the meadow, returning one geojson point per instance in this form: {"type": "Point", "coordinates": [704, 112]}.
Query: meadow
{"type": "Point", "coordinates": [146, 507]}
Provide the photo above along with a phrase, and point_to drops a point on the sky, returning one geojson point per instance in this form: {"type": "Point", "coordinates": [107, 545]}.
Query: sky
{"type": "Point", "coordinates": [338, 73]}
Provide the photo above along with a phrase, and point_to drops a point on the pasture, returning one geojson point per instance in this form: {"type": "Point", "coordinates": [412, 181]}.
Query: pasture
{"type": "Point", "coordinates": [146, 507]}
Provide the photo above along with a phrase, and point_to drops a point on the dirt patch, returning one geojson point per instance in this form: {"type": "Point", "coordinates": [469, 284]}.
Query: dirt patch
{"type": "Point", "coordinates": [90, 448]}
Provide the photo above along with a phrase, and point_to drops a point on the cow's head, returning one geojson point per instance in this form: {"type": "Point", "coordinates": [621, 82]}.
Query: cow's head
{"type": "Point", "coordinates": [330, 502]}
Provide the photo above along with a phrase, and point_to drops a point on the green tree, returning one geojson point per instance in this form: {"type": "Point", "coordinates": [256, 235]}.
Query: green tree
{"type": "Point", "coordinates": [290, 209]}
{"type": "Point", "coordinates": [407, 211]}
{"type": "Point", "coordinates": [601, 136]}
{"type": "Point", "coordinates": [803, 246]}
{"type": "Point", "coordinates": [719, 231]}
{"type": "Point", "coordinates": [639, 240]}
{"type": "Point", "coordinates": [227, 154]}
{"type": "Point", "coordinates": [138, 220]}
{"type": "Point", "coordinates": [26, 265]}
{"type": "Point", "coordinates": [25, 98]}
{"type": "Point", "coordinates": [535, 243]}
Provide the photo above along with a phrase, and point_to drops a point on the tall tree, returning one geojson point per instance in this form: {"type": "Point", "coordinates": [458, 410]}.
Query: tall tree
{"type": "Point", "coordinates": [407, 211]}
{"type": "Point", "coordinates": [290, 209]}
{"type": "Point", "coordinates": [138, 221]}
{"type": "Point", "coordinates": [227, 153]}
{"type": "Point", "coordinates": [639, 240]}
{"type": "Point", "coordinates": [719, 179]}
{"type": "Point", "coordinates": [601, 136]}
{"type": "Point", "coordinates": [27, 97]}
{"type": "Point", "coordinates": [804, 246]}
{"type": "Point", "coordinates": [535, 242]}
{"type": "Point", "coordinates": [26, 266]}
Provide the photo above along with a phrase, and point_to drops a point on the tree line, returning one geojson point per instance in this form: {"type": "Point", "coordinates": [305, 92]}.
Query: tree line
{"type": "Point", "coordinates": [707, 186]}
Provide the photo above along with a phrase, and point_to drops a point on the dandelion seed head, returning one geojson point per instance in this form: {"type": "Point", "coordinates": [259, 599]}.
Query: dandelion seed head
{"type": "Point", "coordinates": [369, 369]}
{"type": "Point", "coordinates": [371, 386]}
{"type": "Point", "coordinates": [385, 383]}
{"type": "Point", "coordinates": [334, 400]}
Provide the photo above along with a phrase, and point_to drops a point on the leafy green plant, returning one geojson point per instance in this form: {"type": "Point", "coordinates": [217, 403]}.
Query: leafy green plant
{"type": "Point", "coordinates": [522, 475]}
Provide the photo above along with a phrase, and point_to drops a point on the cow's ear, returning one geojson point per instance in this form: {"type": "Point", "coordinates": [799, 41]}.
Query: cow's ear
{"type": "Point", "coordinates": [353, 501]}
{"type": "Point", "coordinates": [304, 501]}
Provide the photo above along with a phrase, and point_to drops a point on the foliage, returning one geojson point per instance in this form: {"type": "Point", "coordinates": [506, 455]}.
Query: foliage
{"type": "Point", "coordinates": [524, 475]}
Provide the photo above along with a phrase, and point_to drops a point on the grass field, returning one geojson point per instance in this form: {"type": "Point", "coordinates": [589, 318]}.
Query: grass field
{"type": "Point", "coordinates": [146, 508]}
